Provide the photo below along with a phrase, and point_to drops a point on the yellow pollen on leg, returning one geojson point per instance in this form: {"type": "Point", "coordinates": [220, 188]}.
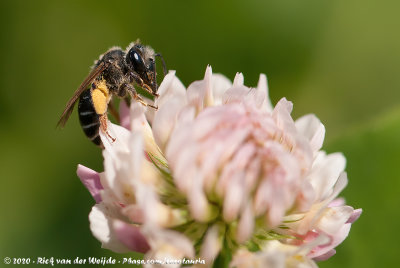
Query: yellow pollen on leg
{"type": "Point", "coordinates": [100, 98]}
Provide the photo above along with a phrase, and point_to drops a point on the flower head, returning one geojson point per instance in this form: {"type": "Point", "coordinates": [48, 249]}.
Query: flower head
{"type": "Point", "coordinates": [216, 169]}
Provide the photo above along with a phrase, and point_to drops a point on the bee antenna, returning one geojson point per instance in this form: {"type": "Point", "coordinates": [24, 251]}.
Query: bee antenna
{"type": "Point", "coordinates": [163, 63]}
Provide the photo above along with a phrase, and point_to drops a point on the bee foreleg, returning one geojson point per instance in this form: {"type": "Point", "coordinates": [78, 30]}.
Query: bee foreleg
{"type": "Point", "coordinates": [103, 126]}
{"type": "Point", "coordinates": [140, 82]}
{"type": "Point", "coordinates": [136, 97]}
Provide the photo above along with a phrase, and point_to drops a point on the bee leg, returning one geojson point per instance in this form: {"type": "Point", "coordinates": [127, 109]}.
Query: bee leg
{"type": "Point", "coordinates": [122, 93]}
{"type": "Point", "coordinates": [140, 82]}
{"type": "Point", "coordinates": [136, 97]}
{"type": "Point", "coordinates": [103, 126]}
{"type": "Point", "coordinates": [131, 89]}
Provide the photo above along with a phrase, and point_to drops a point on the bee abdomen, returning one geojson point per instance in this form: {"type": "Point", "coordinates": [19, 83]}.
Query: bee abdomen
{"type": "Point", "coordinates": [89, 119]}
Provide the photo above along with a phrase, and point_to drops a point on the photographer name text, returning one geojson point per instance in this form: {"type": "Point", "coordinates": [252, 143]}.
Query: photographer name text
{"type": "Point", "coordinates": [99, 261]}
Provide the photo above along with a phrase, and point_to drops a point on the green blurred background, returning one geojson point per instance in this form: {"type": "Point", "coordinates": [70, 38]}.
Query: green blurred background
{"type": "Point", "coordinates": [338, 59]}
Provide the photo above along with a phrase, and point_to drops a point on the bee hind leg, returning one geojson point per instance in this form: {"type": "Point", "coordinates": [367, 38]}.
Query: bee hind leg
{"type": "Point", "coordinates": [103, 126]}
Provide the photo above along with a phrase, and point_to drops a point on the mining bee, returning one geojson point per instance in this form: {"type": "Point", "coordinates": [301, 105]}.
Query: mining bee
{"type": "Point", "coordinates": [115, 73]}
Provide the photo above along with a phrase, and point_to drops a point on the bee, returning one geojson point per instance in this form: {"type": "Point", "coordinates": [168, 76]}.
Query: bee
{"type": "Point", "coordinates": [114, 74]}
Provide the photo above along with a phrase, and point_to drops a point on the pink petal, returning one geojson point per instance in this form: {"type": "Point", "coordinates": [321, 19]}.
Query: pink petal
{"type": "Point", "coordinates": [208, 95]}
{"type": "Point", "coordinates": [134, 213]}
{"type": "Point", "coordinates": [312, 129]}
{"type": "Point", "coordinates": [243, 156]}
{"type": "Point", "coordinates": [130, 236]}
{"type": "Point", "coordinates": [238, 80]}
{"type": "Point", "coordinates": [209, 120]}
{"type": "Point", "coordinates": [138, 118]}
{"type": "Point", "coordinates": [101, 217]}
{"type": "Point", "coordinates": [308, 222]}
{"type": "Point", "coordinates": [252, 174]}
{"type": "Point", "coordinates": [199, 93]}
{"type": "Point", "coordinates": [91, 180]}
{"type": "Point", "coordinates": [112, 156]}
{"type": "Point", "coordinates": [234, 196]}
{"type": "Point", "coordinates": [253, 97]}
{"type": "Point", "coordinates": [148, 201]}
{"type": "Point", "coordinates": [261, 200]}
{"type": "Point", "coordinates": [336, 239]}
{"type": "Point", "coordinates": [333, 219]}
{"type": "Point", "coordinates": [220, 84]}
{"type": "Point", "coordinates": [281, 113]}
{"type": "Point", "coordinates": [236, 94]}
{"type": "Point", "coordinates": [355, 215]}
{"type": "Point", "coordinates": [341, 183]}
{"type": "Point", "coordinates": [300, 144]}
{"type": "Point", "coordinates": [305, 197]}
{"type": "Point", "coordinates": [246, 223]}
{"type": "Point", "coordinates": [125, 120]}
{"type": "Point", "coordinates": [158, 238]}
{"type": "Point", "coordinates": [184, 167]}
{"type": "Point", "coordinates": [120, 143]}
{"type": "Point", "coordinates": [140, 124]}
{"type": "Point", "coordinates": [263, 86]}
{"type": "Point", "coordinates": [211, 245]}
{"type": "Point", "coordinates": [337, 202]}
{"type": "Point", "coordinates": [171, 86]}
{"type": "Point", "coordinates": [165, 119]}
{"type": "Point", "coordinates": [325, 256]}
{"type": "Point", "coordinates": [195, 94]}
{"type": "Point", "coordinates": [257, 98]}
{"type": "Point", "coordinates": [198, 202]}
{"type": "Point", "coordinates": [231, 144]}
{"type": "Point", "coordinates": [325, 173]}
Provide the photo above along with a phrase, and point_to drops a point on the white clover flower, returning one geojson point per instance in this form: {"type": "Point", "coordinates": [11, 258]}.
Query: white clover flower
{"type": "Point", "coordinates": [219, 174]}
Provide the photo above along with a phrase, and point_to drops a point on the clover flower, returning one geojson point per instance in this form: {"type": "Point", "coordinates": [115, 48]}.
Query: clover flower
{"type": "Point", "coordinates": [218, 173]}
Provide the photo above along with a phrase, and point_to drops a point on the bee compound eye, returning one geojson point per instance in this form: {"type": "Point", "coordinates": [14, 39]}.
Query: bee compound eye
{"type": "Point", "coordinates": [137, 62]}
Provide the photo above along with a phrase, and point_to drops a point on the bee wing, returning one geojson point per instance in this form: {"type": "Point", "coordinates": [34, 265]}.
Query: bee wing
{"type": "Point", "coordinates": [71, 103]}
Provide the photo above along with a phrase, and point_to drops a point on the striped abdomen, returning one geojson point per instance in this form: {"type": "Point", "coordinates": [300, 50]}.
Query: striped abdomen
{"type": "Point", "coordinates": [90, 120]}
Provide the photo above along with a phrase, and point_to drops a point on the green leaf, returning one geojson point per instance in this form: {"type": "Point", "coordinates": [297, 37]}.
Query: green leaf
{"type": "Point", "coordinates": [224, 257]}
{"type": "Point", "coordinates": [253, 246]}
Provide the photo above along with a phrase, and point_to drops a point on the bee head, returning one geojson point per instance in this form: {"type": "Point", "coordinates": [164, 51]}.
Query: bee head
{"type": "Point", "coordinates": [142, 60]}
